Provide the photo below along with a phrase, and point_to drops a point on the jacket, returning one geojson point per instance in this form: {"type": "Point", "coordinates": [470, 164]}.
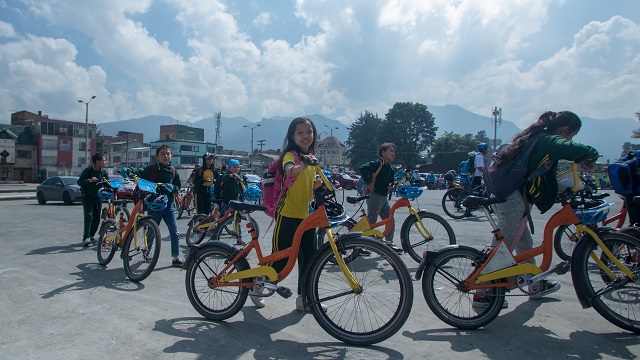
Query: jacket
{"type": "Point", "coordinates": [383, 179]}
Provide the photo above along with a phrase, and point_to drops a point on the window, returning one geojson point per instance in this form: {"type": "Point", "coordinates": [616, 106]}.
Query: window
{"type": "Point", "coordinates": [48, 144]}
{"type": "Point", "coordinates": [49, 160]}
{"type": "Point", "coordinates": [83, 146]}
{"type": "Point", "coordinates": [65, 145]}
{"type": "Point", "coordinates": [117, 159]}
{"type": "Point", "coordinates": [23, 154]}
{"type": "Point", "coordinates": [116, 148]}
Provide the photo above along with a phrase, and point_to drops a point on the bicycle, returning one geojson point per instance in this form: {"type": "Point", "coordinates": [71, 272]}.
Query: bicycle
{"type": "Point", "coordinates": [114, 206]}
{"type": "Point", "coordinates": [453, 201]}
{"type": "Point", "coordinates": [367, 300]}
{"type": "Point", "coordinates": [186, 202]}
{"type": "Point", "coordinates": [604, 268]}
{"type": "Point", "coordinates": [138, 236]}
{"type": "Point", "coordinates": [421, 230]}
{"type": "Point", "coordinates": [225, 228]}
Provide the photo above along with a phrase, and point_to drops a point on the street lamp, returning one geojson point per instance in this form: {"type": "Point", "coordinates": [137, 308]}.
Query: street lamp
{"type": "Point", "coordinates": [331, 129]}
{"type": "Point", "coordinates": [497, 118]}
{"type": "Point", "coordinates": [251, 154]}
{"type": "Point", "coordinates": [86, 129]}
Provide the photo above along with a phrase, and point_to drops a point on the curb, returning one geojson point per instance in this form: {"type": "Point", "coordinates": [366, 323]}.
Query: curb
{"type": "Point", "coordinates": [17, 197]}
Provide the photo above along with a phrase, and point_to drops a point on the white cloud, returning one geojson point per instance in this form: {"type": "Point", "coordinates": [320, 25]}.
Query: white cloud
{"type": "Point", "coordinates": [262, 20]}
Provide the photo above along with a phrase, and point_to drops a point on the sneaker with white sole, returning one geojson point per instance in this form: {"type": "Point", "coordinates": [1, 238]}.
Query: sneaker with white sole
{"type": "Point", "coordinates": [257, 300]}
{"type": "Point", "coordinates": [300, 305]}
{"type": "Point", "coordinates": [177, 262]}
{"type": "Point", "coordinates": [543, 288]}
{"type": "Point", "coordinates": [87, 242]}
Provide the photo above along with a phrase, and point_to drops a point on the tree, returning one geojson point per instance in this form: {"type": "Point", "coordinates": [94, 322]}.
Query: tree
{"type": "Point", "coordinates": [99, 141]}
{"type": "Point", "coordinates": [481, 137]}
{"type": "Point", "coordinates": [411, 127]}
{"type": "Point", "coordinates": [636, 133]}
{"type": "Point", "coordinates": [450, 149]}
{"type": "Point", "coordinates": [362, 142]}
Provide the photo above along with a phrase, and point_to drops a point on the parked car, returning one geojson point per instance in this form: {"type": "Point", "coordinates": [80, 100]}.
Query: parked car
{"type": "Point", "coordinates": [126, 191]}
{"type": "Point", "coordinates": [59, 188]}
{"type": "Point", "coordinates": [346, 181]}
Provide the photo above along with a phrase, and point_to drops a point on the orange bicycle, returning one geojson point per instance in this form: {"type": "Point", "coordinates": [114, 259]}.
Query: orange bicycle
{"type": "Point", "coordinates": [138, 236]}
{"type": "Point", "coordinates": [421, 230]}
{"type": "Point", "coordinates": [226, 227]}
{"type": "Point", "coordinates": [368, 300]}
{"type": "Point", "coordinates": [186, 201]}
{"type": "Point", "coordinates": [604, 269]}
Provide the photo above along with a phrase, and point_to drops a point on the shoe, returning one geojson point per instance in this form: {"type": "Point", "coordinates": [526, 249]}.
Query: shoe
{"type": "Point", "coordinates": [483, 301]}
{"type": "Point", "coordinates": [147, 256]}
{"type": "Point", "coordinates": [87, 242]}
{"type": "Point", "coordinates": [177, 262]}
{"type": "Point", "coordinates": [257, 300]}
{"type": "Point", "coordinates": [241, 243]}
{"type": "Point", "coordinates": [395, 248]}
{"type": "Point", "coordinates": [300, 305]}
{"type": "Point", "coordinates": [364, 252]}
{"type": "Point", "coordinates": [548, 287]}
{"type": "Point", "coordinates": [93, 240]}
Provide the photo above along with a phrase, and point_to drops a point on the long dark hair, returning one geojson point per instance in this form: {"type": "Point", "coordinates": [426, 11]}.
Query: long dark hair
{"type": "Point", "coordinates": [546, 123]}
{"type": "Point", "coordinates": [290, 144]}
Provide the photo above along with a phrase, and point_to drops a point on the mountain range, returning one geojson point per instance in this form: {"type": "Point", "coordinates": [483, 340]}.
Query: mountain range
{"type": "Point", "coordinates": [606, 135]}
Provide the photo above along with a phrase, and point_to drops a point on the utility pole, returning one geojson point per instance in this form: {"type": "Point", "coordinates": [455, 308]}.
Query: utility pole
{"type": "Point", "coordinates": [218, 131]}
{"type": "Point", "coordinates": [497, 118]}
{"type": "Point", "coordinates": [86, 129]}
{"type": "Point", "coordinates": [261, 144]}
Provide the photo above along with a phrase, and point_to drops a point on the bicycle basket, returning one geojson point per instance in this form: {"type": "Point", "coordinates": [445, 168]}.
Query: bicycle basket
{"type": "Point", "coordinates": [593, 215]}
{"type": "Point", "coordinates": [409, 192]}
{"type": "Point", "coordinates": [143, 188]}
{"type": "Point", "coordinates": [115, 184]}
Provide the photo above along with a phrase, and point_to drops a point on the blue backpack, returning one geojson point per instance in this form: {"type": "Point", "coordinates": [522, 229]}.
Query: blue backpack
{"type": "Point", "coordinates": [624, 174]}
{"type": "Point", "coordinates": [503, 180]}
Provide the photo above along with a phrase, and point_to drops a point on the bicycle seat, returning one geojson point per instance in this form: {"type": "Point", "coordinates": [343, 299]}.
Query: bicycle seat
{"type": "Point", "coordinates": [241, 206]}
{"type": "Point", "coordinates": [483, 201]}
{"type": "Point", "coordinates": [356, 199]}
{"type": "Point", "coordinates": [120, 201]}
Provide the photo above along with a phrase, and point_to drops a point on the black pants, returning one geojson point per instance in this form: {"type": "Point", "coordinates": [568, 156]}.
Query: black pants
{"type": "Point", "coordinates": [283, 232]}
{"type": "Point", "coordinates": [203, 200]}
{"type": "Point", "coordinates": [91, 209]}
{"type": "Point", "coordinates": [633, 210]}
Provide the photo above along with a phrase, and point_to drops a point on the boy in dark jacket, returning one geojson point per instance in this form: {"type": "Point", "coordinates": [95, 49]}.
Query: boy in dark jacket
{"type": "Point", "coordinates": [91, 204]}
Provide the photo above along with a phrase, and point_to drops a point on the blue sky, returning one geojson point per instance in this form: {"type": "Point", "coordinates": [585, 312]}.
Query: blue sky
{"type": "Point", "coordinates": [191, 58]}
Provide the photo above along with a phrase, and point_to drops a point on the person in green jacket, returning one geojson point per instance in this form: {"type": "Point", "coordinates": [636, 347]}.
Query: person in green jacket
{"type": "Point", "coordinates": [163, 172]}
{"type": "Point", "coordinates": [89, 182]}
{"type": "Point", "coordinates": [377, 203]}
{"type": "Point", "coordinates": [555, 132]}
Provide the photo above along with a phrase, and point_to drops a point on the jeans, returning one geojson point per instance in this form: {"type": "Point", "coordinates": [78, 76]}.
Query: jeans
{"type": "Point", "coordinates": [169, 217]}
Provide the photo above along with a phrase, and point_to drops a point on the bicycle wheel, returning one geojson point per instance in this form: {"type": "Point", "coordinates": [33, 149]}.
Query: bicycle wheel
{"type": "Point", "coordinates": [413, 241]}
{"type": "Point", "coordinates": [214, 303]}
{"type": "Point", "coordinates": [441, 289]}
{"type": "Point", "coordinates": [194, 236]}
{"type": "Point", "coordinates": [183, 206]}
{"type": "Point", "coordinates": [565, 241]}
{"type": "Point", "coordinates": [452, 203]}
{"type": "Point", "coordinates": [226, 232]}
{"type": "Point", "coordinates": [142, 250]}
{"type": "Point", "coordinates": [616, 299]}
{"type": "Point", "coordinates": [371, 315]}
{"type": "Point", "coordinates": [107, 241]}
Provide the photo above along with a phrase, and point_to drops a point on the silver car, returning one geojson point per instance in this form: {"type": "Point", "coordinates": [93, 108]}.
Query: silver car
{"type": "Point", "coordinates": [59, 188]}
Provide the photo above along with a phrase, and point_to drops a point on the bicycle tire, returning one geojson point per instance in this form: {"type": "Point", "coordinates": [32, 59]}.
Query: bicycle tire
{"type": "Point", "coordinates": [140, 259]}
{"type": "Point", "coordinates": [415, 244]}
{"type": "Point", "coordinates": [217, 303]}
{"type": "Point", "coordinates": [452, 203]}
{"type": "Point", "coordinates": [193, 236]}
{"type": "Point", "coordinates": [370, 316]}
{"type": "Point", "coordinates": [565, 241]}
{"type": "Point", "coordinates": [183, 207]}
{"type": "Point", "coordinates": [107, 242]}
{"type": "Point", "coordinates": [444, 296]}
{"type": "Point", "coordinates": [225, 231]}
{"type": "Point", "coordinates": [616, 302]}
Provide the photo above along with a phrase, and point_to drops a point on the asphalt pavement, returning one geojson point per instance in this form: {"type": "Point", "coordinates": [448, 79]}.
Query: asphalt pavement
{"type": "Point", "coordinates": [56, 302]}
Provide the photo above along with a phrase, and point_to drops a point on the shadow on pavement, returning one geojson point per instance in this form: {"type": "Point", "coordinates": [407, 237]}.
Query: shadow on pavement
{"type": "Point", "coordinates": [94, 276]}
{"type": "Point", "coordinates": [235, 339]}
{"type": "Point", "coordinates": [508, 336]}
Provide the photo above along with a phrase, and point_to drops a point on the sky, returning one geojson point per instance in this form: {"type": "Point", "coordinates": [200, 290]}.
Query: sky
{"type": "Point", "coordinates": [189, 59]}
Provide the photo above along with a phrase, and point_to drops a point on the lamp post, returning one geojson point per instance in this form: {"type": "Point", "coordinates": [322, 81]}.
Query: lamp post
{"type": "Point", "coordinates": [497, 118]}
{"type": "Point", "coordinates": [251, 154]}
{"type": "Point", "coordinates": [331, 129]}
{"type": "Point", "coordinates": [86, 129]}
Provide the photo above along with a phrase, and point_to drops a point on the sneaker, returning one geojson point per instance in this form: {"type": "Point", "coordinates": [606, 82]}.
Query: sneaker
{"type": "Point", "coordinates": [483, 301]}
{"type": "Point", "coordinates": [257, 300]}
{"type": "Point", "coordinates": [177, 262]}
{"type": "Point", "coordinates": [147, 256]}
{"type": "Point", "coordinates": [395, 248]}
{"type": "Point", "coordinates": [241, 243]}
{"type": "Point", "coordinates": [300, 305]}
{"type": "Point", "coordinates": [94, 241]}
{"type": "Point", "coordinates": [364, 252]}
{"type": "Point", "coordinates": [87, 242]}
{"type": "Point", "coordinates": [544, 287]}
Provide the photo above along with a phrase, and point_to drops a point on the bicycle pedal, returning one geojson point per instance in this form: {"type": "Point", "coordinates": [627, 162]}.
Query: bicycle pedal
{"type": "Point", "coordinates": [284, 292]}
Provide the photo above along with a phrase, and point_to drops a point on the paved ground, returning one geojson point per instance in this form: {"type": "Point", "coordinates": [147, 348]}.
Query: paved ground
{"type": "Point", "coordinates": [58, 303]}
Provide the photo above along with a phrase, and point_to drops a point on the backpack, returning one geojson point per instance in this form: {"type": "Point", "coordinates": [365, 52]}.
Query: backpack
{"type": "Point", "coordinates": [470, 164]}
{"type": "Point", "coordinates": [513, 175]}
{"type": "Point", "coordinates": [363, 188]}
{"type": "Point", "coordinates": [623, 174]}
{"type": "Point", "coordinates": [274, 184]}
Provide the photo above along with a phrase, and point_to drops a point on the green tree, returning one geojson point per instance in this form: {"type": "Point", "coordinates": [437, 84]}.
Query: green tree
{"type": "Point", "coordinates": [411, 127]}
{"type": "Point", "coordinates": [450, 149]}
{"type": "Point", "coordinates": [481, 137]}
{"type": "Point", "coordinates": [362, 141]}
{"type": "Point", "coordinates": [100, 141]}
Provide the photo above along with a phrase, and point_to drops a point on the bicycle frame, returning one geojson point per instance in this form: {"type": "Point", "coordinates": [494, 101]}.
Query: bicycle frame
{"type": "Point", "coordinates": [493, 268]}
{"type": "Point", "coordinates": [619, 217]}
{"type": "Point", "coordinates": [317, 219]}
{"type": "Point", "coordinates": [369, 229]}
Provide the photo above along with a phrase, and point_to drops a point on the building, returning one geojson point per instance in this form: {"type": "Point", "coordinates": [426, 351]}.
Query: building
{"type": "Point", "coordinates": [331, 152]}
{"type": "Point", "coordinates": [61, 145]}
{"type": "Point", "coordinates": [186, 142]}
{"type": "Point", "coordinates": [18, 153]}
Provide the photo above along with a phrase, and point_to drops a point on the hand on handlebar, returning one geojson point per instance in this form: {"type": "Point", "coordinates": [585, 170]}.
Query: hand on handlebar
{"type": "Point", "coordinates": [309, 159]}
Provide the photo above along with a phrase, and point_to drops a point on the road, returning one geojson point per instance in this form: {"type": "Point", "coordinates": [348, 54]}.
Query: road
{"type": "Point", "coordinates": [58, 303]}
